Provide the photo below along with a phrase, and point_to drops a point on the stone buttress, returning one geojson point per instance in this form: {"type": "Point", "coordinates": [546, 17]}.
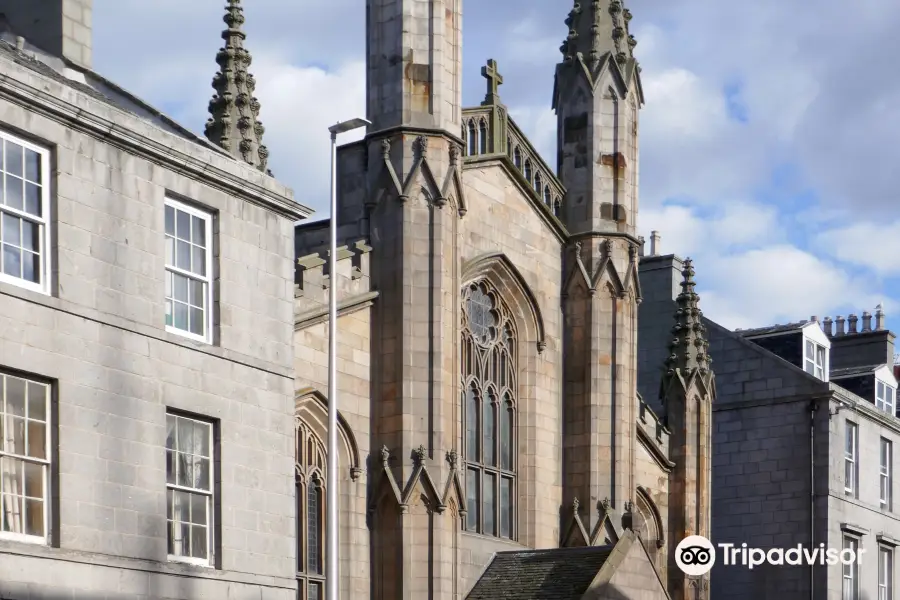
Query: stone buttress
{"type": "Point", "coordinates": [413, 206]}
{"type": "Point", "coordinates": [597, 96]}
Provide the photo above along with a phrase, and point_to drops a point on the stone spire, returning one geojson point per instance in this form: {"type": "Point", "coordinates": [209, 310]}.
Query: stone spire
{"type": "Point", "coordinates": [234, 123]}
{"type": "Point", "coordinates": [689, 348]}
{"type": "Point", "coordinates": [597, 27]}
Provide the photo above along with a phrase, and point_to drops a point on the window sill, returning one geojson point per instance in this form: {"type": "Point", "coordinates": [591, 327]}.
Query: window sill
{"type": "Point", "coordinates": [21, 538]}
{"type": "Point", "coordinates": [191, 562]}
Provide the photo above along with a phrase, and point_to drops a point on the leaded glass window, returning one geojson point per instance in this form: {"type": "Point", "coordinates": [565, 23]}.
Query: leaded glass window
{"type": "Point", "coordinates": [489, 412]}
{"type": "Point", "coordinates": [310, 480]}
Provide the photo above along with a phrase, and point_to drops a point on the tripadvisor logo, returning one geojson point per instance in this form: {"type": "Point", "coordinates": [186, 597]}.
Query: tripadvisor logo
{"type": "Point", "coordinates": [695, 556]}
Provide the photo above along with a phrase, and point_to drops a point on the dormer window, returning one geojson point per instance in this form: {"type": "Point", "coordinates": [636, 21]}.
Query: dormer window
{"type": "Point", "coordinates": [885, 397]}
{"type": "Point", "coordinates": [815, 359]}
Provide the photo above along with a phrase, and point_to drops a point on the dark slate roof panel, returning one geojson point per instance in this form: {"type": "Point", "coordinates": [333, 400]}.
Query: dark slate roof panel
{"type": "Point", "coordinates": [557, 574]}
{"type": "Point", "coordinates": [105, 91]}
{"type": "Point", "coordinates": [772, 329]}
{"type": "Point", "coordinates": [854, 371]}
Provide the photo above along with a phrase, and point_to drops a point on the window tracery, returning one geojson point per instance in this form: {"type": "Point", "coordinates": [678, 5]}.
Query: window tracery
{"type": "Point", "coordinates": [489, 389]}
{"type": "Point", "coordinates": [310, 465]}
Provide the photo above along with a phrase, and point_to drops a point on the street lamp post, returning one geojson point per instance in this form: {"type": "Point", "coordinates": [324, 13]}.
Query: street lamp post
{"type": "Point", "coordinates": [331, 495]}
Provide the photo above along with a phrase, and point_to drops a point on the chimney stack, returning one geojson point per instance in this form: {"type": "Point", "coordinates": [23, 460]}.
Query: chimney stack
{"type": "Point", "coordinates": [641, 247]}
{"type": "Point", "coordinates": [828, 326]}
{"type": "Point", "coordinates": [879, 318]}
{"type": "Point", "coordinates": [867, 321]}
{"type": "Point", "coordinates": [654, 243]}
{"type": "Point", "coordinates": [839, 322]}
{"type": "Point", "coordinates": [59, 27]}
{"type": "Point", "coordinates": [852, 320]}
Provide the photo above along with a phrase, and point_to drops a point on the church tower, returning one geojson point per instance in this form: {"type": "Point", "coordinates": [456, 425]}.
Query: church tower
{"type": "Point", "coordinates": [597, 96]}
{"type": "Point", "coordinates": [413, 208]}
{"type": "Point", "coordinates": [687, 392]}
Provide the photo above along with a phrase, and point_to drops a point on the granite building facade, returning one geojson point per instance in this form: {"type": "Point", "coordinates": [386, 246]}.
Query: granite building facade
{"type": "Point", "coordinates": [146, 353]}
{"type": "Point", "coordinates": [804, 445]}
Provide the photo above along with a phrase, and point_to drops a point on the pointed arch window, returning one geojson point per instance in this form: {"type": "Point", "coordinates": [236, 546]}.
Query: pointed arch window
{"type": "Point", "coordinates": [557, 207]}
{"type": "Point", "coordinates": [538, 183]}
{"type": "Point", "coordinates": [548, 196]}
{"type": "Point", "coordinates": [528, 170]}
{"type": "Point", "coordinates": [472, 139]}
{"type": "Point", "coordinates": [517, 158]}
{"type": "Point", "coordinates": [509, 146]}
{"type": "Point", "coordinates": [310, 481]}
{"type": "Point", "coordinates": [482, 137]}
{"type": "Point", "coordinates": [489, 412]}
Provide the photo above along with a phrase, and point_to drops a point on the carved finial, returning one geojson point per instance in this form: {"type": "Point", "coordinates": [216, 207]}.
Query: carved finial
{"type": "Point", "coordinates": [419, 455]}
{"type": "Point", "coordinates": [689, 346]}
{"type": "Point", "coordinates": [454, 155]}
{"type": "Point", "coordinates": [233, 123]}
{"type": "Point", "coordinates": [600, 28]}
{"type": "Point", "coordinates": [607, 247]}
{"type": "Point", "coordinates": [575, 505]}
{"type": "Point", "coordinates": [386, 147]}
{"type": "Point", "coordinates": [385, 455]}
{"type": "Point", "coordinates": [452, 458]}
{"type": "Point", "coordinates": [605, 504]}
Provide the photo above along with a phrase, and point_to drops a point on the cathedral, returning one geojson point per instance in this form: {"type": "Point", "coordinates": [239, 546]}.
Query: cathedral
{"type": "Point", "coordinates": [164, 395]}
{"type": "Point", "coordinates": [494, 444]}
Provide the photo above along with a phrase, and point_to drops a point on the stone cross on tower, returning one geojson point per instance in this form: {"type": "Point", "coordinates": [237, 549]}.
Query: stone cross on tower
{"type": "Point", "coordinates": [494, 81]}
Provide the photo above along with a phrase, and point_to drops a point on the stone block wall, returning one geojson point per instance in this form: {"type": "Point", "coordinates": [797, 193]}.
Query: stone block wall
{"type": "Point", "coordinates": [100, 340]}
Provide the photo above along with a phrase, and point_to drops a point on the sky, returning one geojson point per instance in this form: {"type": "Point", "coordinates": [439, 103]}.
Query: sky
{"type": "Point", "coordinates": [768, 138]}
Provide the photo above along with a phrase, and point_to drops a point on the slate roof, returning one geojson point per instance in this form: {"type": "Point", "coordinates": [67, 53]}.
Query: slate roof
{"type": "Point", "coordinates": [772, 329]}
{"type": "Point", "coordinates": [103, 90]}
{"type": "Point", "coordinates": [854, 371]}
{"type": "Point", "coordinates": [556, 574]}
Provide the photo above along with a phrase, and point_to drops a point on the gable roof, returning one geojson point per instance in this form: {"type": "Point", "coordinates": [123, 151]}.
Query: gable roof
{"type": "Point", "coordinates": [95, 86]}
{"type": "Point", "coordinates": [555, 574]}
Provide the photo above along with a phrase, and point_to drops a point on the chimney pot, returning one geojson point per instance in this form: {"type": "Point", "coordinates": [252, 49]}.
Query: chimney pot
{"type": "Point", "coordinates": [814, 319]}
{"type": "Point", "coordinates": [642, 246]}
{"type": "Point", "coordinates": [866, 321]}
{"type": "Point", "coordinates": [20, 43]}
{"type": "Point", "coordinates": [879, 318]}
{"type": "Point", "coordinates": [58, 27]}
{"type": "Point", "coordinates": [852, 320]}
{"type": "Point", "coordinates": [839, 322]}
{"type": "Point", "coordinates": [828, 326]}
{"type": "Point", "coordinates": [654, 243]}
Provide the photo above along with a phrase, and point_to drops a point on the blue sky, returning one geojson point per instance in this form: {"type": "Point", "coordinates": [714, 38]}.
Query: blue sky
{"type": "Point", "coordinates": [767, 141]}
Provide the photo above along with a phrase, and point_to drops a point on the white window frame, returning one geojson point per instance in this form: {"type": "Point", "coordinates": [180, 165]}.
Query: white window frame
{"type": "Point", "coordinates": [45, 235]}
{"type": "Point", "coordinates": [851, 458]}
{"type": "Point", "coordinates": [46, 463]}
{"type": "Point", "coordinates": [818, 362]}
{"type": "Point", "coordinates": [885, 397]}
{"type": "Point", "coordinates": [886, 475]}
{"type": "Point", "coordinates": [209, 561]}
{"type": "Point", "coordinates": [207, 218]}
{"type": "Point", "coordinates": [885, 573]}
{"type": "Point", "coordinates": [851, 571]}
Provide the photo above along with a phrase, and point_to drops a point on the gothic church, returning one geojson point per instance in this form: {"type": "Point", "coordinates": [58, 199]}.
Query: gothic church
{"type": "Point", "coordinates": [493, 441]}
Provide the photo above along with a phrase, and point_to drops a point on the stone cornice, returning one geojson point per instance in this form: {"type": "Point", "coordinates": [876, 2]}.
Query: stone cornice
{"type": "Point", "coordinates": [345, 307]}
{"type": "Point", "coordinates": [81, 117]}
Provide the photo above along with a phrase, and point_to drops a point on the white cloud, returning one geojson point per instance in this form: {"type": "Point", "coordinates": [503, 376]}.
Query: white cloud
{"type": "Point", "coordinates": [875, 246]}
{"type": "Point", "coordinates": [298, 106]}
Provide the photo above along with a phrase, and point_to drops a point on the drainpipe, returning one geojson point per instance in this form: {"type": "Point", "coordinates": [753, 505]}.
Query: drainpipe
{"type": "Point", "coordinates": [813, 406]}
